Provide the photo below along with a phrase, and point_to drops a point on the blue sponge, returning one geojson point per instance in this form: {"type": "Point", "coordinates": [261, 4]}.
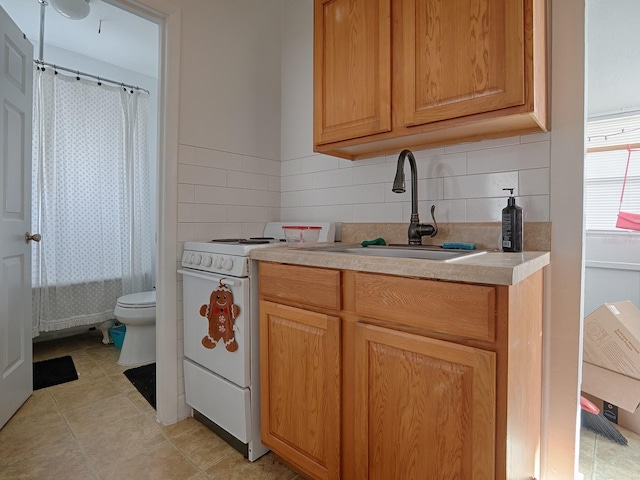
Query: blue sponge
{"type": "Point", "coordinates": [459, 245]}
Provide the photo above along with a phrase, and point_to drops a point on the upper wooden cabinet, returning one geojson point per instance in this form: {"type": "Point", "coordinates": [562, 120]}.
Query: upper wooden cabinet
{"type": "Point", "coordinates": [352, 49]}
{"type": "Point", "coordinates": [394, 74]}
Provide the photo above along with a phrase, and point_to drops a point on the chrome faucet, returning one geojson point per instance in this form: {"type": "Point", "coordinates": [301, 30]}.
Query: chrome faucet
{"type": "Point", "coordinates": [417, 230]}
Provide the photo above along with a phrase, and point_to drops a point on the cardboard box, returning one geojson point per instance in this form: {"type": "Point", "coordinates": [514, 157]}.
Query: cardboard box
{"type": "Point", "coordinates": [611, 367]}
{"type": "Point", "coordinates": [612, 338]}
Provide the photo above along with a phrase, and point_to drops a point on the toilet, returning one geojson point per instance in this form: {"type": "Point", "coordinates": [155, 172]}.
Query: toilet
{"type": "Point", "coordinates": [138, 312]}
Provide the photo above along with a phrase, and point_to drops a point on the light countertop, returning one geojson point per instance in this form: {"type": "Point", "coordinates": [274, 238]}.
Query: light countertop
{"type": "Point", "coordinates": [490, 267]}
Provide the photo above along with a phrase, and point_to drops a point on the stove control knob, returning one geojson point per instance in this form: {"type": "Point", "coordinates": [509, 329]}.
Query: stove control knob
{"type": "Point", "coordinates": [186, 259]}
{"type": "Point", "coordinates": [196, 259]}
{"type": "Point", "coordinates": [227, 264]}
{"type": "Point", "coordinates": [217, 262]}
{"type": "Point", "coordinates": [206, 260]}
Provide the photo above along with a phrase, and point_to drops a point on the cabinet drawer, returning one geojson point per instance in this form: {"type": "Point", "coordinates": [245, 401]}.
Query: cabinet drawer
{"type": "Point", "coordinates": [312, 286]}
{"type": "Point", "coordinates": [452, 308]}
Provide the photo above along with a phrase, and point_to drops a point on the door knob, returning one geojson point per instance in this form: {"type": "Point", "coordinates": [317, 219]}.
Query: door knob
{"type": "Point", "coordinates": [36, 237]}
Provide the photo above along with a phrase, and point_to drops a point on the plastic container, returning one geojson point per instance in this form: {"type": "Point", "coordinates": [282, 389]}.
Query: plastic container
{"type": "Point", "coordinates": [301, 235]}
{"type": "Point", "coordinates": [117, 335]}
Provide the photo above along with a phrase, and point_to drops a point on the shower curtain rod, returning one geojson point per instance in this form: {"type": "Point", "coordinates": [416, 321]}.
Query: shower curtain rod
{"type": "Point", "coordinates": [83, 74]}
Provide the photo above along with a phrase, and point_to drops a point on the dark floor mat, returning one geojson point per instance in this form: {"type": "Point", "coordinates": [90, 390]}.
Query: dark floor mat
{"type": "Point", "coordinates": [144, 379]}
{"type": "Point", "coordinates": [53, 372]}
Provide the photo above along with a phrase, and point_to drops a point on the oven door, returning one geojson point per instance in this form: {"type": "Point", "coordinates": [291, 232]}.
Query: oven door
{"type": "Point", "coordinates": [217, 324]}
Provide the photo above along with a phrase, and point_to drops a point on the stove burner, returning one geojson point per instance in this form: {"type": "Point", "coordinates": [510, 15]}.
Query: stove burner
{"type": "Point", "coordinates": [249, 241]}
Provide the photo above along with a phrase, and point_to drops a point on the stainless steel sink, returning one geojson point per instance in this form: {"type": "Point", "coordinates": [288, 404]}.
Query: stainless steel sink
{"type": "Point", "coordinates": [400, 251]}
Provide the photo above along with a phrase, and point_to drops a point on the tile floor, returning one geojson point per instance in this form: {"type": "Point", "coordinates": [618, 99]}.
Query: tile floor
{"type": "Point", "coordinates": [100, 427]}
{"type": "Point", "coordinates": [602, 459]}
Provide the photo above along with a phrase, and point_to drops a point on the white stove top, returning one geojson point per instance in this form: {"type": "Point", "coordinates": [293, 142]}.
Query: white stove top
{"type": "Point", "coordinates": [240, 248]}
{"type": "Point", "coordinates": [230, 256]}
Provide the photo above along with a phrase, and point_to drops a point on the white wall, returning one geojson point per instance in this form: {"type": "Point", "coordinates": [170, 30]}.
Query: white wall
{"type": "Point", "coordinates": [464, 181]}
{"type": "Point", "coordinates": [229, 157]}
{"type": "Point", "coordinates": [613, 79]}
{"type": "Point", "coordinates": [228, 172]}
{"type": "Point", "coordinates": [612, 269]}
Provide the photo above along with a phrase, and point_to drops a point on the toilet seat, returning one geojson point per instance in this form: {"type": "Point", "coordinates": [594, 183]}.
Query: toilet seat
{"type": "Point", "coordinates": [138, 300]}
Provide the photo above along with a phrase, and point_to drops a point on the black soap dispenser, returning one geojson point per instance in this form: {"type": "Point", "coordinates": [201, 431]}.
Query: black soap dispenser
{"type": "Point", "coordinates": [512, 230]}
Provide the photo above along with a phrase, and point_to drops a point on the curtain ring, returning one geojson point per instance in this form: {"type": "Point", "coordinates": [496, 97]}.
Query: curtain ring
{"type": "Point", "coordinates": [78, 75]}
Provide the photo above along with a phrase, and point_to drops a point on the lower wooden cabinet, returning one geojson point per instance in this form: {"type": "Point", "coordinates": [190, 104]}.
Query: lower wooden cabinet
{"type": "Point", "coordinates": [375, 377]}
{"type": "Point", "coordinates": [300, 387]}
{"type": "Point", "coordinates": [424, 408]}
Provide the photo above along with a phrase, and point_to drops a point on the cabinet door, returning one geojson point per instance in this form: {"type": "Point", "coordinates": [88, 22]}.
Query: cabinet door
{"type": "Point", "coordinates": [461, 58]}
{"type": "Point", "coordinates": [424, 408]}
{"type": "Point", "coordinates": [300, 388]}
{"type": "Point", "coordinates": [352, 69]}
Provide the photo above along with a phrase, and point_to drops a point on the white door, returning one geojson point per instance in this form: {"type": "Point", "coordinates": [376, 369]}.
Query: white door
{"type": "Point", "coordinates": [16, 81]}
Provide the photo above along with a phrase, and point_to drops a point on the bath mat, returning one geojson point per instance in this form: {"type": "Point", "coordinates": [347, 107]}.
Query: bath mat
{"type": "Point", "coordinates": [144, 379]}
{"type": "Point", "coordinates": [53, 372]}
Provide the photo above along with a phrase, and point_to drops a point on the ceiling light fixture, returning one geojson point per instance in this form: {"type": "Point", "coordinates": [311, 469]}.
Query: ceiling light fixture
{"type": "Point", "coordinates": [72, 9]}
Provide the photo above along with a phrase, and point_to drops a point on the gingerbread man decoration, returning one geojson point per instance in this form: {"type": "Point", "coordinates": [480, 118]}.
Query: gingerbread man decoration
{"type": "Point", "coordinates": [221, 314]}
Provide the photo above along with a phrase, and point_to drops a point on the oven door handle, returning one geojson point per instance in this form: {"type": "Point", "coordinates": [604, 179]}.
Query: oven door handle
{"type": "Point", "coordinates": [211, 277]}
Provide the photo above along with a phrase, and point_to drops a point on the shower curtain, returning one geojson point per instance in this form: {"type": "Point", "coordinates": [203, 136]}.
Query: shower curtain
{"type": "Point", "coordinates": [90, 200]}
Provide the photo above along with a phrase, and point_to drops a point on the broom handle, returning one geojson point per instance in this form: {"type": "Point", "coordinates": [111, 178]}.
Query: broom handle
{"type": "Point", "coordinates": [588, 406]}
{"type": "Point", "coordinates": [624, 182]}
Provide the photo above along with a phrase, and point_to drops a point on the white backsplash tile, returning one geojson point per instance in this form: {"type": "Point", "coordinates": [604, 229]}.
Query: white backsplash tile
{"type": "Point", "coordinates": [207, 231]}
{"type": "Point", "coordinates": [485, 209]}
{"type": "Point", "coordinates": [373, 173]}
{"type": "Point", "coordinates": [208, 213]}
{"type": "Point", "coordinates": [260, 165]}
{"type": "Point", "coordinates": [442, 166]}
{"type": "Point", "coordinates": [333, 178]}
{"type": "Point", "coordinates": [447, 211]}
{"type": "Point", "coordinates": [185, 230]}
{"type": "Point", "coordinates": [252, 181]}
{"type": "Point", "coordinates": [483, 145]}
{"type": "Point", "coordinates": [290, 199]}
{"type": "Point", "coordinates": [253, 214]}
{"type": "Point", "coordinates": [535, 208]}
{"type": "Point", "coordinates": [514, 157]}
{"type": "Point", "coordinates": [186, 193]}
{"type": "Point", "coordinates": [217, 195]}
{"type": "Point", "coordinates": [202, 175]}
{"type": "Point", "coordinates": [331, 213]}
{"type": "Point", "coordinates": [290, 167]}
{"type": "Point", "coordinates": [297, 182]}
{"type": "Point", "coordinates": [428, 189]}
{"type": "Point", "coordinates": [186, 154]}
{"type": "Point", "coordinates": [474, 186]}
{"type": "Point", "coordinates": [296, 213]}
{"type": "Point", "coordinates": [418, 154]}
{"type": "Point", "coordinates": [260, 198]}
{"type": "Point", "coordinates": [206, 157]}
{"type": "Point", "coordinates": [252, 229]}
{"type": "Point", "coordinates": [185, 213]}
{"type": "Point", "coordinates": [318, 163]}
{"type": "Point", "coordinates": [275, 185]}
{"type": "Point", "coordinates": [533, 182]}
{"type": "Point", "coordinates": [385, 212]}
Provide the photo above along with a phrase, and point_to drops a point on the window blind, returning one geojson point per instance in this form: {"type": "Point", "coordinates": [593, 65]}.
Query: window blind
{"type": "Point", "coordinates": [604, 172]}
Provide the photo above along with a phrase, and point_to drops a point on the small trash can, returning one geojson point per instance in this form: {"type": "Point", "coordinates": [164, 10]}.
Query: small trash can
{"type": "Point", "coordinates": [117, 335]}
